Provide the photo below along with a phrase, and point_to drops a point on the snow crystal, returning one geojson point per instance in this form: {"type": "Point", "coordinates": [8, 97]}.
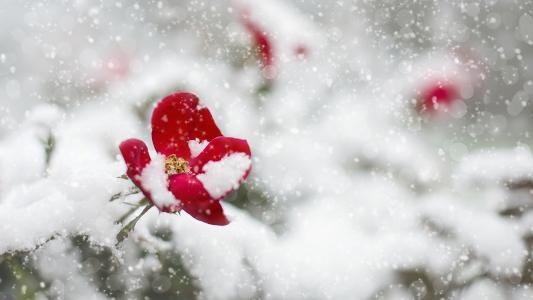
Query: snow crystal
{"type": "Point", "coordinates": [155, 180]}
{"type": "Point", "coordinates": [197, 147]}
{"type": "Point", "coordinates": [225, 174]}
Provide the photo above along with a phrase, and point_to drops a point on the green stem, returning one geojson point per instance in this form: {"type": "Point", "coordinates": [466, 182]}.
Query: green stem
{"type": "Point", "coordinates": [131, 191]}
{"type": "Point", "coordinates": [132, 210]}
{"type": "Point", "coordinates": [125, 231]}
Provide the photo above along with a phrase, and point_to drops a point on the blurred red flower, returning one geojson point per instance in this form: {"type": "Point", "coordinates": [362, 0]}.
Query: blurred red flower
{"type": "Point", "coordinates": [263, 45]}
{"type": "Point", "coordinates": [437, 96]}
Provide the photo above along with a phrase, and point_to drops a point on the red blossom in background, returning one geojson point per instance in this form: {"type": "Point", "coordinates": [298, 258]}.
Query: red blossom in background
{"type": "Point", "coordinates": [178, 121]}
{"type": "Point", "coordinates": [270, 40]}
{"type": "Point", "coordinates": [262, 43]}
{"type": "Point", "coordinates": [436, 96]}
{"type": "Point", "coordinates": [115, 66]}
{"type": "Point", "coordinates": [301, 51]}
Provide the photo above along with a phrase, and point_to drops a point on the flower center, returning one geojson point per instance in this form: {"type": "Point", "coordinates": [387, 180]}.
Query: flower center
{"type": "Point", "coordinates": [176, 165]}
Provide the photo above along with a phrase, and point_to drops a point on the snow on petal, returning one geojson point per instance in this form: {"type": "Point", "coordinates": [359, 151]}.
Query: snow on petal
{"type": "Point", "coordinates": [155, 181]}
{"type": "Point", "coordinates": [221, 176]}
{"type": "Point", "coordinates": [197, 147]}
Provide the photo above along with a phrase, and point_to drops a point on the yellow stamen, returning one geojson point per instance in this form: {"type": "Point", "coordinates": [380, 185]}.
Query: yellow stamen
{"type": "Point", "coordinates": [176, 165]}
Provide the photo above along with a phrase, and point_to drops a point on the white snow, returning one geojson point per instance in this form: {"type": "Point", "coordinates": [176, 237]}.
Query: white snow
{"type": "Point", "coordinates": [219, 177]}
{"type": "Point", "coordinates": [197, 147]}
{"type": "Point", "coordinates": [154, 179]}
{"type": "Point", "coordinates": [73, 198]}
{"type": "Point", "coordinates": [495, 166]}
{"type": "Point", "coordinates": [67, 281]}
{"type": "Point", "coordinates": [479, 231]}
{"type": "Point", "coordinates": [484, 289]}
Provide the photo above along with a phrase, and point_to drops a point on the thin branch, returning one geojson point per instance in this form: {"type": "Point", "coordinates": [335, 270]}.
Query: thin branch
{"type": "Point", "coordinates": [125, 231]}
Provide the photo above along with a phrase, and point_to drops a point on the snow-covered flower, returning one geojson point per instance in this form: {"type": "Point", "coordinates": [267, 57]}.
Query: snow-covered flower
{"type": "Point", "coordinates": [195, 166]}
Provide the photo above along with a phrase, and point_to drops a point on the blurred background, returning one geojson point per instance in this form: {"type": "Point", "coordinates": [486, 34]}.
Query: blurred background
{"type": "Point", "coordinates": [390, 140]}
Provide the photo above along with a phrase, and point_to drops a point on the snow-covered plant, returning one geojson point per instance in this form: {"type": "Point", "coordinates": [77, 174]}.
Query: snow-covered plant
{"type": "Point", "coordinates": [381, 150]}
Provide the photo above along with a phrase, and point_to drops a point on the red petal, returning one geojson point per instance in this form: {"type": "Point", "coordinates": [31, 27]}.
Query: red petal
{"type": "Point", "coordinates": [195, 200]}
{"type": "Point", "coordinates": [136, 156]}
{"type": "Point", "coordinates": [176, 120]}
{"type": "Point", "coordinates": [217, 149]}
{"type": "Point", "coordinates": [261, 41]}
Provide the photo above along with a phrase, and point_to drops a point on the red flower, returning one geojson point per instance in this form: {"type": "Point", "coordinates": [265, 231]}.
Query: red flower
{"type": "Point", "coordinates": [301, 51]}
{"type": "Point", "coordinates": [262, 43]}
{"type": "Point", "coordinates": [437, 96]}
{"type": "Point", "coordinates": [195, 167]}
